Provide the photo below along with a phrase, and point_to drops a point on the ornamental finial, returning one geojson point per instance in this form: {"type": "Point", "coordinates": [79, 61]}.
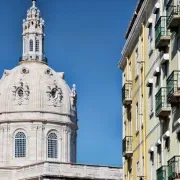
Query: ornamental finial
{"type": "Point", "coordinates": [34, 3]}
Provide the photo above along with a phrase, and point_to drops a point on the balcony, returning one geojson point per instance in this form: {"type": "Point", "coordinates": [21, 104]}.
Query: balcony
{"type": "Point", "coordinates": [127, 146]}
{"type": "Point", "coordinates": [173, 87]}
{"type": "Point", "coordinates": [161, 173]}
{"type": "Point", "coordinates": [174, 168]}
{"type": "Point", "coordinates": [173, 14]}
{"type": "Point", "coordinates": [162, 35]}
{"type": "Point", "coordinates": [126, 94]}
{"type": "Point", "coordinates": [163, 108]}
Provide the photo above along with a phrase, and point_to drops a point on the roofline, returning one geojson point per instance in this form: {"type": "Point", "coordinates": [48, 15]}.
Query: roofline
{"type": "Point", "coordinates": [138, 7]}
{"type": "Point", "coordinates": [80, 164]}
{"type": "Point", "coordinates": [142, 6]}
{"type": "Point", "coordinates": [122, 63]}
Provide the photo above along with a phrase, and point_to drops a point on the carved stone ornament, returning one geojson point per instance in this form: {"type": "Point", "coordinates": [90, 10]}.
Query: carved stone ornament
{"type": "Point", "coordinates": [73, 95]}
{"type": "Point", "coordinates": [21, 93]}
{"type": "Point", "coordinates": [55, 95]}
{"type": "Point", "coordinates": [37, 127]}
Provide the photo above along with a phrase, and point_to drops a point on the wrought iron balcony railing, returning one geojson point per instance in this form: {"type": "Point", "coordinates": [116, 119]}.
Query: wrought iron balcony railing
{"type": "Point", "coordinates": [174, 168]}
{"type": "Point", "coordinates": [127, 146]}
{"type": "Point", "coordinates": [127, 93]}
{"type": "Point", "coordinates": [162, 106]}
{"type": "Point", "coordinates": [162, 34]}
{"type": "Point", "coordinates": [173, 14]}
{"type": "Point", "coordinates": [162, 173]}
{"type": "Point", "coordinates": [173, 87]}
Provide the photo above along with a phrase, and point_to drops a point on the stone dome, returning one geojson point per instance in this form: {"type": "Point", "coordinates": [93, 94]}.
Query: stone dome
{"type": "Point", "coordinates": [38, 117]}
{"type": "Point", "coordinates": [34, 91]}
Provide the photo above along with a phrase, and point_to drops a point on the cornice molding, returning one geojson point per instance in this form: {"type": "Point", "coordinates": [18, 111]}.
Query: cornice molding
{"type": "Point", "coordinates": [137, 24]}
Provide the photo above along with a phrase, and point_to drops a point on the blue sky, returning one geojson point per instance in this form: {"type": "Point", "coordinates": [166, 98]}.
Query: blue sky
{"type": "Point", "coordinates": [84, 39]}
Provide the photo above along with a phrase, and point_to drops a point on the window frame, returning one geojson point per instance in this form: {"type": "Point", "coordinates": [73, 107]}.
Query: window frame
{"type": "Point", "coordinates": [150, 33]}
{"type": "Point", "coordinates": [137, 117]}
{"type": "Point", "coordinates": [151, 100]}
{"type": "Point", "coordinates": [138, 168]}
{"type": "Point", "coordinates": [37, 45]}
{"type": "Point", "coordinates": [56, 156]}
{"type": "Point", "coordinates": [31, 45]}
{"type": "Point", "coordinates": [25, 149]}
{"type": "Point", "coordinates": [137, 61]}
{"type": "Point", "coordinates": [150, 39]}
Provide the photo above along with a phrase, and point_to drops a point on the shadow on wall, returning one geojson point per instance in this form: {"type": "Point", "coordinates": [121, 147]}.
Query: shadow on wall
{"type": "Point", "coordinates": [175, 117]}
{"type": "Point", "coordinates": [174, 45]}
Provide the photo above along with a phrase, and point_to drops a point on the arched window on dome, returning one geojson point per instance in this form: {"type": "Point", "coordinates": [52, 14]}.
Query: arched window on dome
{"type": "Point", "coordinates": [20, 145]}
{"type": "Point", "coordinates": [30, 45]}
{"type": "Point", "coordinates": [37, 45]}
{"type": "Point", "coordinates": [52, 143]}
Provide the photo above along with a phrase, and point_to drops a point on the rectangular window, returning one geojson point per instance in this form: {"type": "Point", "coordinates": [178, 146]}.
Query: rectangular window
{"type": "Point", "coordinates": [129, 122]}
{"type": "Point", "coordinates": [31, 45]}
{"type": "Point", "coordinates": [37, 45]}
{"type": "Point", "coordinates": [166, 68]}
{"type": "Point", "coordinates": [150, 39]}
{"type": "Point", "coordinates": [158, 82]}
{"type": "Point", "coordinates": [138, 169]}
{"type": "Point", "coordinates": [150, 33]}
{"type": "Point", "coordinates": [124, 78]}
{"type": "Point", "coordinates": [159, 154]}
{"type": "Point", "coordinates": [167, 144]}
{"type": "Point", "coordinates": [137, 117]}
{"type": "Point", "coordinates": [157, 15]}
{"type": "Point", "coordinates": [151, 100]}
{"type": "Point", "coordinates": [130, 173]}
{"type": "Point", "coordinates": [137, 62]}
{"type": "Point", "coordinates": [130, 71]}
{"type": "Point", "coordinates": [152, 165]}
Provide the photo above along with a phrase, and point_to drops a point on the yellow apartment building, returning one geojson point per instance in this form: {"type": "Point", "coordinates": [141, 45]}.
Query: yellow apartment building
{"type": "Point", "coordinates": [151, 92]}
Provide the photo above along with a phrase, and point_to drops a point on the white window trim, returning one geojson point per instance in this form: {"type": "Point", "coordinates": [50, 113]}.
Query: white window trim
{"type": "Point", "coordinates": [14, 135]}
{"type": "Point", "coordinates": [31, 45]}
{"type": "Point", "coordinates": [137, 62]}
{"type": "Point", "coordinates": [59, 146]}
{"type": "Point", "coordinates": [137, 117]}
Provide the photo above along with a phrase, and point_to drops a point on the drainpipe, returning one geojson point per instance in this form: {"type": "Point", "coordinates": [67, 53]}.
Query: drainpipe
{"type": "Point", "coordinates": [144, 95]}
{"type": "Point", "coordinates": [127, 120]}
{"type": "Point", "coordinates": [141, 104]}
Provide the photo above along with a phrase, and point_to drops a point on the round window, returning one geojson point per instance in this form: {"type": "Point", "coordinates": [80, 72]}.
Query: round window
{"type": "Point", "coordinates": [53, 92]}
{"type": "Point", "coordinates": [48, 71]}
{"type": "Point", "coordinates": [20, 93]}
{"type": "Point", "coordinates": [24, 70]}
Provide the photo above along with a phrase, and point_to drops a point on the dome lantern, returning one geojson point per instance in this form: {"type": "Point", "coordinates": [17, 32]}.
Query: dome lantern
{"type": "Point", "coordinates": [33, 36]}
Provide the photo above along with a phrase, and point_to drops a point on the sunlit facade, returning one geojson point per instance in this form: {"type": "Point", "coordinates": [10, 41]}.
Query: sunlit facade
{"type": "Point", "coordinates": [151, 92]}
{"type": "Point", "coordinates": [38, 117]}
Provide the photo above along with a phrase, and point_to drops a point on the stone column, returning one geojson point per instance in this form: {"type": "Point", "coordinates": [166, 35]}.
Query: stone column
{"type": "Point", "coordinates": [66, 145]}
{"type": "Point", "coordinates": [69, 146]}
{"type": "Point", "coordinates": [1, 143]}
{"type": "Point", "coordinates": [40, 47]}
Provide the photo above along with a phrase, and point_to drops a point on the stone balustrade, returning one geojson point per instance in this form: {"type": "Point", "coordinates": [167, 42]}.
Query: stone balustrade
{"type": "Point", "coordinates": [65, 170]}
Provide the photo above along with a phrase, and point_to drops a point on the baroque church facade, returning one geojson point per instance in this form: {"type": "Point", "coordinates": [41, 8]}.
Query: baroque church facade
{"type": "Point", "coordinates": [38, 117]}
